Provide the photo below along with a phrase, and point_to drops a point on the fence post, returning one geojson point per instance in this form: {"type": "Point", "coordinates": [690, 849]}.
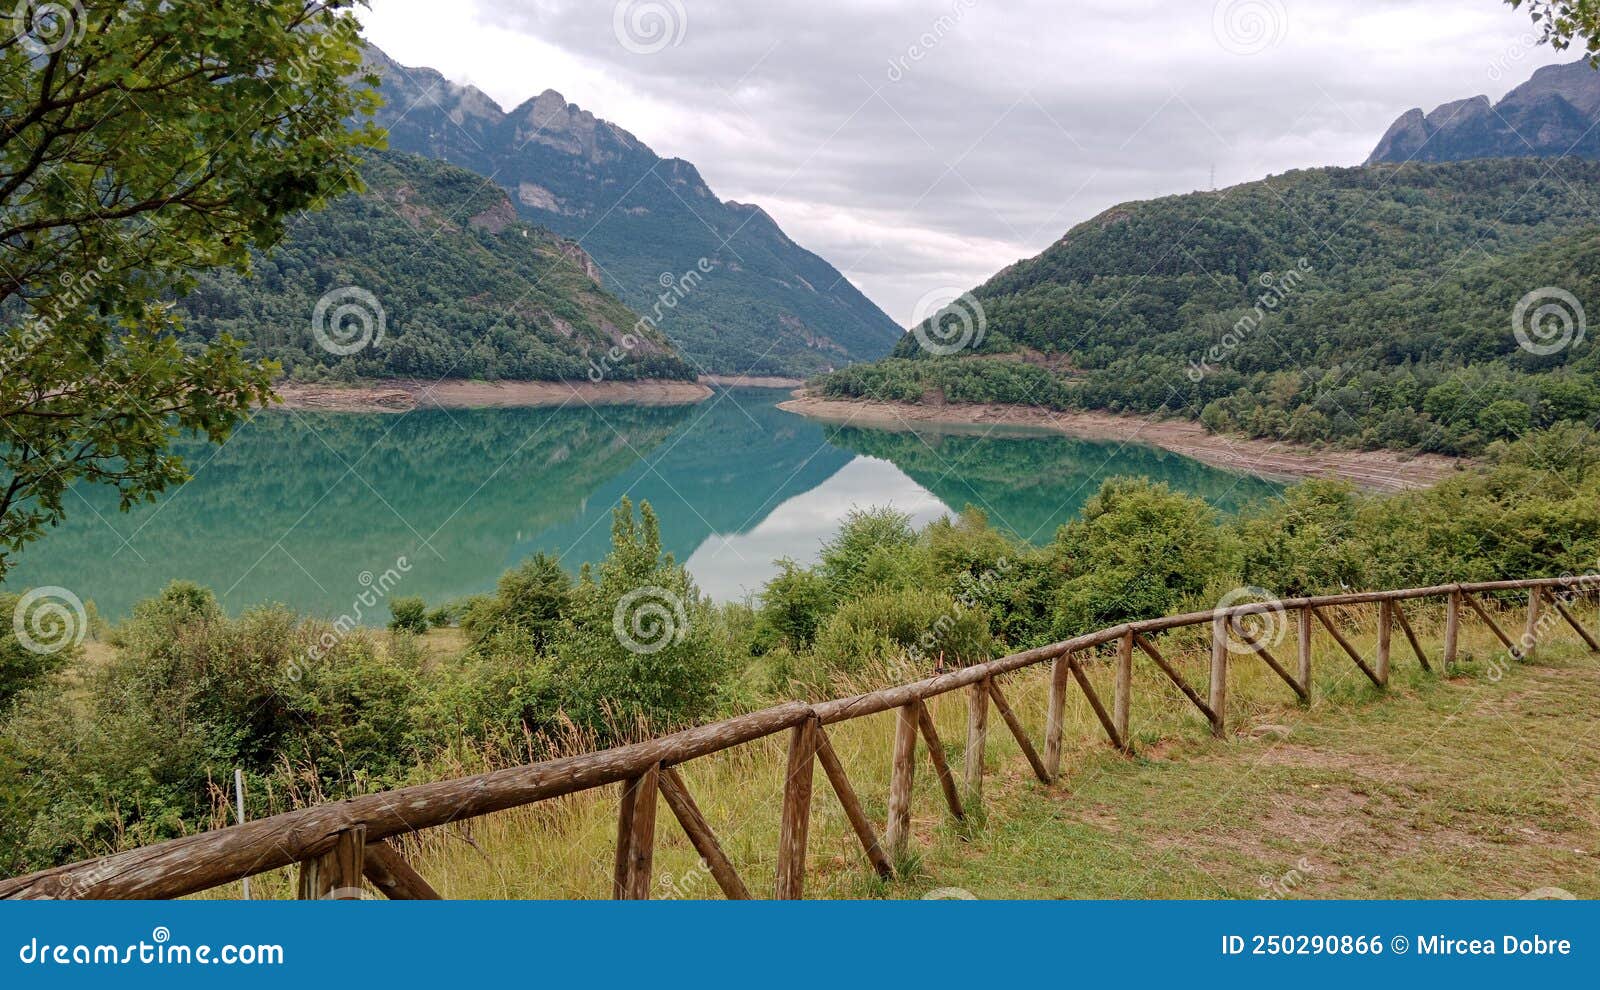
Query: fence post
{"type": "Point", "coordinates": [1059, 672]}
{"type": "Point", "coordinates": [897, 833]}
{"type": "Point", "coordinates": [337, 873]}
{"type": "Point", "coordinates": [977, 739]}
{"type": "Point", "coordinates": [1452, 629]}
{"type": "Point", "coordinates": [1303, 624]}
{"type": "Point", "coordinates": [1219, 675]}
{"type": "Point", "coordinates": [1123, 699]}
{"type": "Point", "coordinates": [388, 871]}
{"type": "Point", "coordinates": [1530, 635]}
{"type": "Point", "coordinates": [796, 810]}
{"type": "Point", "coordinates": [636, 837]}
{"type": "Point", "coordinates": [1385, 637]}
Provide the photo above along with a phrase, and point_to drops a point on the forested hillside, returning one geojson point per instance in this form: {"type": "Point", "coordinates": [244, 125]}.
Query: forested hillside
{"type": "Point", "coordinates": [466, 289]}
{"type": "Point", "coordinates": [1371, 306]}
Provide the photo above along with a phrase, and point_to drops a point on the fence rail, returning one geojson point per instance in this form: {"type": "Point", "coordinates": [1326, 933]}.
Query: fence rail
{"type": "Point", "coordinates": [338, 844]}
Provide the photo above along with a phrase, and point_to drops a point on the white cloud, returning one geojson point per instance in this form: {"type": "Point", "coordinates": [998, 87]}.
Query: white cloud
{"type": "Point", "coordinates": [915, 143]}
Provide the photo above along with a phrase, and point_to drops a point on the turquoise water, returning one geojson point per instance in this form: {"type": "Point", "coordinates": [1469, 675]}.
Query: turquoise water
{"type": "Point", "coordinates": [302, 508]}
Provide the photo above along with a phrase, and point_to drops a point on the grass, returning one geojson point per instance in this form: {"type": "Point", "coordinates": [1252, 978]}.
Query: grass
{"type": "Point", "coordinates": [1485, 784]}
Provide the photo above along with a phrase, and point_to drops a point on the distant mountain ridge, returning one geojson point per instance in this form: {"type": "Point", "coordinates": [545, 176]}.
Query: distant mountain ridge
{"type": "Point", "coordinates": [1553, 113]}
{"type": "Point", "coordinates": [764, 305]}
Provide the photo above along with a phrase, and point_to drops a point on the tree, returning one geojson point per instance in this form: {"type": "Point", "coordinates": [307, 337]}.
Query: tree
{"type": "Point", "coordinates": [642, 648]}
{"type": "Point", "coordinates": [794, 603]}
{"type": "Point", "coordinates": [141, 143]}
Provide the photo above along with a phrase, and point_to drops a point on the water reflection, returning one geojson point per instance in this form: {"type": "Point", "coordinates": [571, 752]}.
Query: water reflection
{"type": "Point", "coordinates": [730, 566]}
{"type": "Point", "coordinates": [297, 506]}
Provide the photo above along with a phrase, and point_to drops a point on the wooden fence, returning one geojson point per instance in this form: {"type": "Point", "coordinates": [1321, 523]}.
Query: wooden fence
{"type": "Point", "coordinates": [338, 844]}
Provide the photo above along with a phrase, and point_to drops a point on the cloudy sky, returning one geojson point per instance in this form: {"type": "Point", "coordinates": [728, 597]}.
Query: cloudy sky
{"type": "Point", "coordinates": [921, 144]}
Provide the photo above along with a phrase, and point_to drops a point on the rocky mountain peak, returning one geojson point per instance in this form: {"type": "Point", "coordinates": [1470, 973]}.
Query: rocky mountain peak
{"type": "Point", "coordinates": [773, 307]}
{"type": "Point", "coordinates": [1552, 114]}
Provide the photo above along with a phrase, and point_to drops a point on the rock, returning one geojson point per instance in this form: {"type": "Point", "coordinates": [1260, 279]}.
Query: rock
{"type": "Point", "coordinates": [1552, 114]}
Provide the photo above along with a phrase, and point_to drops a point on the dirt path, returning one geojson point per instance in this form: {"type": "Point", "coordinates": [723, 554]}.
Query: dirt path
{"type": "Point", "coordinates": [1376, 470]}
{"type": "Point", "coordinates": [400, 395]}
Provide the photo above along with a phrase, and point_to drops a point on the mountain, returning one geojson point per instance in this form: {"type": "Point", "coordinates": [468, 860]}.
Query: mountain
{"type": "Point", "coordinates": [1552, 114]}
{"type": "Point", "coordinates": [1366, 306]}
{"type": "Point", "coordinates": [466, 289]}
{"type": "Point", "coordinates": [758, 302]}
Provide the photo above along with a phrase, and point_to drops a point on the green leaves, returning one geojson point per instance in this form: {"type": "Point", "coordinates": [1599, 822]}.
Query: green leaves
{"type": "Point", "coordinates": [1566, 21]}
{"type": "Point", "coordinates": [158, 140]}
{"type": "Point", "coordinates": [1139, 551]}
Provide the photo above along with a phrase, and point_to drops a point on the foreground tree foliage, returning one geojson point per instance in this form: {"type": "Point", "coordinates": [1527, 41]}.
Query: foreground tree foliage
{"type": "Point", "coordinates": [1563, 22]}
{"type": "Point", "coordinates": [141, 143]}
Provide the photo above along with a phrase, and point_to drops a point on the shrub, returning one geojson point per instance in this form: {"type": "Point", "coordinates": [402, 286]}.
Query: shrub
{"type": "Point", "coordinates": [446, 615]}
{"type": "Point", "coordinates": [903, 626]}
{"type": "Point", "coordinates": [21, 667]}
{"type": "Point", "coordinates": [138, 754]}
{"type": "Point", "coordinates": [1140, 550]}
{"type": "Point", "coordinates": [794, 603]}
{"type": "Point", "coordinates": [641, 645]}
{"type": "Point", "coordinates": [1309, 542]}
{"type": "Point", "coordinates": [530, 600]}
{"type": "Point", "coordinates": [869, 551]}
{"type": "Point", "coordinates": [500, 700]}
{"type": "Point", "coordinates": [157, 620]}
{"type": "Point", "coordinates": [408, 613]}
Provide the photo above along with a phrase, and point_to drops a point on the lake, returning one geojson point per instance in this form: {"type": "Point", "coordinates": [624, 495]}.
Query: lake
{"type": "Point", "coordinates": [303, 508]}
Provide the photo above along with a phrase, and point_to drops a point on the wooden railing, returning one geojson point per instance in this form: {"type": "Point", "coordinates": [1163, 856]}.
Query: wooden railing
{"type": "Point", "coordinates": [337, 845]}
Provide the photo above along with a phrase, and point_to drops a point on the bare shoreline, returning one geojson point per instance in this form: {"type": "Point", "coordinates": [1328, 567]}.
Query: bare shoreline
{"type": "Point", "coordinates": [751, 381]}
{"type": "Point", "coordinates": [401, 395]}
{"type": "Point", "coordinates": [1376, 470]}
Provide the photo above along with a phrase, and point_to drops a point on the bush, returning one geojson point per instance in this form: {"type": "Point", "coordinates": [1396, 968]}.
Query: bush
{"type": "Point", "coordinates": [498, 701]}
{"type": "Point", "coordinates": [141, 752]}
{"type": "Point", "coordinates": [641, 647]}
{"type": "Point", "coordinates": [870, 551]}
{"type": "Point", "coordinates": [794, 603]}
{"type": "Point", "coordinates": [1309, 542]}
{"type": "Point", "coordinates": [529, 602]}
{"type": "Point", "coordinates": [157, 620]}
{"type": "Point", "coordinates": [1140, 550]}
{"type": "Point", "coordinates": [21, 667]}
{"type": "Point", "coordinates": [409, 614]}
{"type": "Point", "coordinates": [887, 628]}
{"type": "Point", "coordinates": [446, 615]}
